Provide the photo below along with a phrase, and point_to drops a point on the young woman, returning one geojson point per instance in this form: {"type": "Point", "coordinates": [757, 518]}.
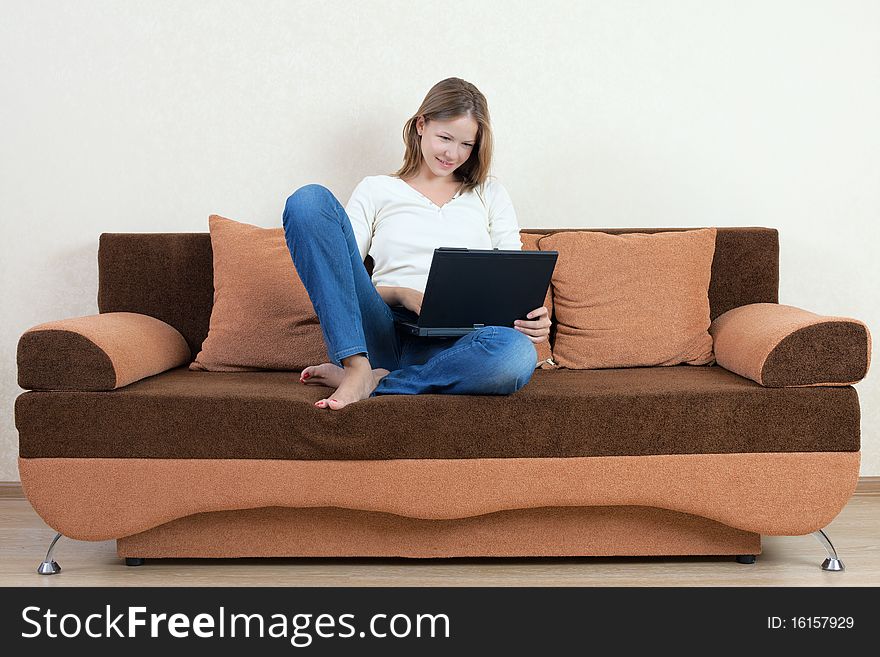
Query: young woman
{"type": "Point", "coordinates": [441, 196]}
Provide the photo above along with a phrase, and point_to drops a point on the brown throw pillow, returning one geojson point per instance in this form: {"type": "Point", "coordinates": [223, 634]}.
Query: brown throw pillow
{"type": "Point", "coordinates": [262, 317]}
{"type": "Point", "coordinates": [530, 243]}
{"type": "Point", "coordinates": [632, 300]}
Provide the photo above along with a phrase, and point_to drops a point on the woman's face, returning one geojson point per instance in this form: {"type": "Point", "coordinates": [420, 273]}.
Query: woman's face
{"type": "Point", "coordinates": [446, 145]}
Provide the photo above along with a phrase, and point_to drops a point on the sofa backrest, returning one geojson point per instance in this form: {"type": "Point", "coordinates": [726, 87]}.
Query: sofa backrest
{"type": "Point", "coordinates": [170, 275]}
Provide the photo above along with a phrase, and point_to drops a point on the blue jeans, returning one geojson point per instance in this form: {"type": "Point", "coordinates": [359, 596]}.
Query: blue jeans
{"type": "Point", "coordinates": [494, 360]}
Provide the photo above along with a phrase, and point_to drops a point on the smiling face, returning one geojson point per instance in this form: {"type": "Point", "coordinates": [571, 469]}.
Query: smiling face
{"type": "Point", "coordinates": [445, 145]}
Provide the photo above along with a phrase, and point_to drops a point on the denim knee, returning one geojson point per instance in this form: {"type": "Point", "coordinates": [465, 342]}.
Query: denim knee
{"type": "Point", "coordinates": [513, 355]}
{"type": "Point", "coordinates": [301, 204]}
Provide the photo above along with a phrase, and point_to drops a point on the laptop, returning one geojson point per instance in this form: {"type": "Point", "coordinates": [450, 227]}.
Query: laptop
{"type": "Point", "coordinates": [468, 289]}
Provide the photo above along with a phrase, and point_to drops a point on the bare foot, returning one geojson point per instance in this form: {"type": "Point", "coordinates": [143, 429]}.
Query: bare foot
{"type": "Point", "coordinates": [328, 374]}
{"type": "Point", "coordinates": [356, 383]}
{"type": "Point", "coordinates": [325, 374]}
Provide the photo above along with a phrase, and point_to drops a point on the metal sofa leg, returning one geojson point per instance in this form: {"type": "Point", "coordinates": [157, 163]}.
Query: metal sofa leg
{"type": "Point", "coordinates": [832, 563]}
{"type": "Point", "coordinates": [49, 565]}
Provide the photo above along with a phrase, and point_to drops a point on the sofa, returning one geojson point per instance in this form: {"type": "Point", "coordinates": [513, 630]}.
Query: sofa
{"type": "Point", "coordinates": [120, 439]}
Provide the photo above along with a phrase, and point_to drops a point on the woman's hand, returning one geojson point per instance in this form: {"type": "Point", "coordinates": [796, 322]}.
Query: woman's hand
{"type": "Point", "coordinates": [410, 299]}
{"type": "Point", "coordinates": [537, 327]}
{"type": "Point", "coordinates": [401, 296]}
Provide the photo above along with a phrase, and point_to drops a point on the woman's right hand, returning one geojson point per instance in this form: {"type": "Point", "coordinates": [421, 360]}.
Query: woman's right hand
{"type": "Point", "coordinates": [410, 299]}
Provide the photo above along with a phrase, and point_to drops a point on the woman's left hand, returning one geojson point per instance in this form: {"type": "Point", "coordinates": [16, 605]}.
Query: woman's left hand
{"type": "Point", "coordinates": [537, 327]}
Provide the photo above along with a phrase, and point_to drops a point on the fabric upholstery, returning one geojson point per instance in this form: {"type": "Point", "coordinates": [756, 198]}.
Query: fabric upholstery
{"type": "Point", "coordinates": [97, 499]}
{"type": "Point", "coordinates": [262, 317]}
{"type": "Point", "coordinates": [777, 346]}
{"type": "Point", "coordinates": [633, 300]}
{"type": "Point", "coordinates": [330, 532]}
{"type": "Point", "coordinates": [97, 352]}
{"type": "Point", "coordinates": [169, 275]}
{"type": "Point", "coordinates": [258, 415]}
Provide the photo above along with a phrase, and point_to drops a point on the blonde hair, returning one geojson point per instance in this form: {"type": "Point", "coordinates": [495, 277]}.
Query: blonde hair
{"type": "Point", "coordinates": [448, 100]}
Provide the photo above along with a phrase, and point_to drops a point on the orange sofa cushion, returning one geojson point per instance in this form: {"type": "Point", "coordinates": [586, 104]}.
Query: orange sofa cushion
{"type": "Point", "coordinates": [632, 300]}
{"type": "Point", "coordinates": [783, 346]}
{"type": "Point", "coordinates": [262, 318]}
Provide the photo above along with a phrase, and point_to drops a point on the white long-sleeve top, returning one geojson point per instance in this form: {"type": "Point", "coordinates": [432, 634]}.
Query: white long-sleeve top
{"type": "Point", "coordinates": [400, 227]}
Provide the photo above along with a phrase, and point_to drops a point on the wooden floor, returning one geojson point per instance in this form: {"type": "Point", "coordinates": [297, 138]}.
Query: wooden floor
{"type": "Point", "coordinates": [786, 561]}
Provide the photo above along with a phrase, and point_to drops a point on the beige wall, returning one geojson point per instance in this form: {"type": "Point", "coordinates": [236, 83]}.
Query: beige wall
{"type": "Point", "coordinates": [148, 116]}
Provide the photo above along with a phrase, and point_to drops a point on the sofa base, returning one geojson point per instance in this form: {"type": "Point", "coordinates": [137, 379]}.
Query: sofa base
{"type": "Point", "coordinates": [538, 532]}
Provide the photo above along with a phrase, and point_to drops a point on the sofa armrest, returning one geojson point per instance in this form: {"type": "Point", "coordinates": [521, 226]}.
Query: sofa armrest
{"type": "Point", "coordinates": [783, 346]}
{"type": "Point", "coordinates": [98, 352]}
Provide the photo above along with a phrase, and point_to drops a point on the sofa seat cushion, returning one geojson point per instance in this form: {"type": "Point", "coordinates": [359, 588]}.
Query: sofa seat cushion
{"type": "Point", "coordinates": [270, 415]}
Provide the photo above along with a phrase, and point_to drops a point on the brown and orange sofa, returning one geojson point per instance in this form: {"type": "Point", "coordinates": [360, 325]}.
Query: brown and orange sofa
{"type": "Point", "coordinates": [121, 439]}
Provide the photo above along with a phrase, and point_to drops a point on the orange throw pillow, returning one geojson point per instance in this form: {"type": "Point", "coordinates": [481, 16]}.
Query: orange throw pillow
{"type": "Point", "coordinates": [262, 317]}
{"type": "Point", "coordinates": [632, 300]}
{"type": "Point", "coordinates": [530, 243]}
